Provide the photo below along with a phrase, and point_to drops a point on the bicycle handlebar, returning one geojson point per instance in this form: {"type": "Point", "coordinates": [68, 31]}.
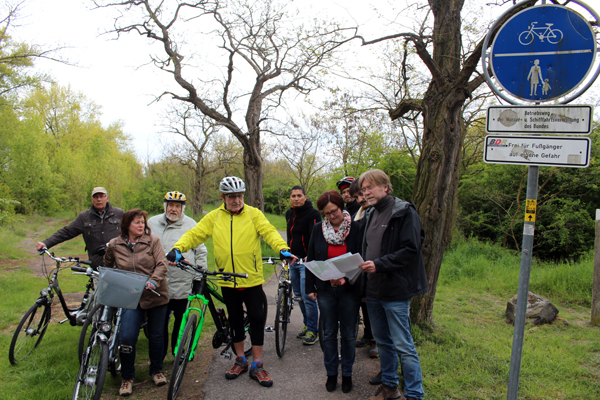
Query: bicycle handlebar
{"type": "Point", "coordinates": [84, 270]}
{"type": "Point", "coordinates": [183, 264]}
{"type": "Point", "coordinates": [44, 250]}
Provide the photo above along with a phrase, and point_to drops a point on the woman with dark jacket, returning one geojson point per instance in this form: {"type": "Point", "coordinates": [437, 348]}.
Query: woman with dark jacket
{"type": "Point", "coordinates": [137, 250]}
{"type": "Point", "coordinates": [338, 300]}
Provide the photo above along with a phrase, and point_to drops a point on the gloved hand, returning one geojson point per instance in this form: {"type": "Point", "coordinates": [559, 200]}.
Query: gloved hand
{"type": "Point", "coordinates": [283, 254]}
{"type": "Point", "coordinates": [150, 285]}
{"type": "Point", "coordinates": [174, 255]}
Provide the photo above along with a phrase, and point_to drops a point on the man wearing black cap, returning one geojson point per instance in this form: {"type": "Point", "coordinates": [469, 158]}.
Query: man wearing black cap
{"type": "Point", "coordinates": [352, 205]}
{"type": "Point", "coordinates": [98, 225]}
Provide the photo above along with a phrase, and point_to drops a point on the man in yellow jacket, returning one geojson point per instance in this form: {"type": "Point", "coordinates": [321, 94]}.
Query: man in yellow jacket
{"type": "Point", "coordinates": [236, 229]}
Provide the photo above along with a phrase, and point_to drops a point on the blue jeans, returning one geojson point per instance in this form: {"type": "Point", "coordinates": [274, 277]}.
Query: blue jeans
{"type": "Point", "coordinates": [339, 308]}
{"type": "Point", "coordinates": [310, 312]}
{"type": "Point", "coordinates": [390, 323]}
{"type": "Point", "coordinates": [131, 322]}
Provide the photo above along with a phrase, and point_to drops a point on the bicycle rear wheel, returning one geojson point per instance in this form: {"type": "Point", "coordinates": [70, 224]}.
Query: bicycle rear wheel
{"type": "Point", "coordinates": [281, 320]}
{"type": "Point", "coordinates": [92, 373]}
{"type": "Point", "coordinates": [88, 329]}
{"type": "Point", "coordinates": [182, 357]}
{"type": "Point", "coordinates": [30, 332]}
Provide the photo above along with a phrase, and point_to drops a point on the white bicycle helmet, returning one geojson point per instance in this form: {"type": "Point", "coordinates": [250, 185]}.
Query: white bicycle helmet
{"type": "Point", "coordinates": [232, 184]}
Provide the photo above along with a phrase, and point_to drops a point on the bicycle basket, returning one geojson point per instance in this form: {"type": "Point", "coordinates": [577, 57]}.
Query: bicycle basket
{"type": "Point", "coordinates": [119, 288]}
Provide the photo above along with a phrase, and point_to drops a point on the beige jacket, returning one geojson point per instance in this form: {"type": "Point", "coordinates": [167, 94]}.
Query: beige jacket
{"type": "Point", "coordinates": [146, 258]}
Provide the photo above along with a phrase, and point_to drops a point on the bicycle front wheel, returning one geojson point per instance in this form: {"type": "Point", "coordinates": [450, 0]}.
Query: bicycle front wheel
{"type": "Point", "coordinates": [182, 357]}
{"type": "Point", "coordinates": [30, 332]}
{"type": "Point", "coordinates": [92, 373]}
{"type": "Point", "coordinates": [281, 321]}
{"type": "Point", "coordinates": [88, 329]}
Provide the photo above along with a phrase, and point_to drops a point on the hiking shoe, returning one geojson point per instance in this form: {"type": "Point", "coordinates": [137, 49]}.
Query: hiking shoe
{"type": "Point", "coordinates": [376, 380]}
{"type": "Point", "coordinates": [373, 350]}
{"type": "Point", "coordinates": [159, 379]}
{"type": "Point", "coordinates": [362, 342]}
{"type": "Point", "coordinates": [126, 387]}
{"type": "Point", "coordinates": [302, 333]}
{"type": "Point", "coordinates": [385, 392]}
{"type": "Point", "coordinates": [310, 338]}
{"type": "Point", "coordinates": [238, 368]}
{"type": "Point", "coordinates": [259, 374]}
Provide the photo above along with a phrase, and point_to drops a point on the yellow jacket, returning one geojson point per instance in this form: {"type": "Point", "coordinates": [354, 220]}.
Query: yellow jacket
{"type": "Point", "coordinates": [236, 241]}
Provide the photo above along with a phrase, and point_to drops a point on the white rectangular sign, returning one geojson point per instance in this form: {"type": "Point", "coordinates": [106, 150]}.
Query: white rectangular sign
{"type": "Point", "coordinates": [554, 151]}
{"type": "Point", "coordinates": [572, 120]}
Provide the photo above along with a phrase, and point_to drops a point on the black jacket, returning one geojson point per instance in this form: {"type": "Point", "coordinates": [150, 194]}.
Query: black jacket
{"type": "Point", "coordinates": [352, 208]}
{"type": "Point", "coordinates": [300, 222]}
{"type": "Point", "coordinates": [96, 230]}
{"type": "Point", "coordinates": [400, 268]}
{"type": "Point", "coordinates": [317, 250]}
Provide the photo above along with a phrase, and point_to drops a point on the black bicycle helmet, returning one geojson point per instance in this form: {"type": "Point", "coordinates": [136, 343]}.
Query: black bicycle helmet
{"type": "Point", "coordinates": [344, 182]}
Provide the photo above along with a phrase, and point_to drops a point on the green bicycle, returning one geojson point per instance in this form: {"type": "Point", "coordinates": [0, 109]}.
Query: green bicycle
{"type": "Point", "coordinates": [203, 292]}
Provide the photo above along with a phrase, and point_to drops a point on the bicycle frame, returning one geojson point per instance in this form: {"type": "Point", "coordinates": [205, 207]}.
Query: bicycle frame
{"type": "Point", "coordinates": [206, 301]}
{"type": "Point", "coordinates": [47, 294]}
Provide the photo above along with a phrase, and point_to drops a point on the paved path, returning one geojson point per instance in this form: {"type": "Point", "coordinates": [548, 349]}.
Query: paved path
{"type": "Point", "coordinates": [299, 374]}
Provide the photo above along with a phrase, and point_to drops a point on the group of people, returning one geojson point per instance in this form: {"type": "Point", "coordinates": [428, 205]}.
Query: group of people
{"type": "Point", "coordinates": [363, 217]}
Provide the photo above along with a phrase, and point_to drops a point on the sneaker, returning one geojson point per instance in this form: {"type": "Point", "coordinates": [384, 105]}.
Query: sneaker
{"type": "Point", "coordinates": [159, 379]}
{"type": "Point", "coordinates": [362, 342]}
{"type": "Point", "coordinates": [373, 350]}
{"type": "Point", "coordinates": [385, 392]}
{"type": "Point", "coordinates": [310, 338]}
{"type": "Point", "coordinates": [302, 333]}
{"type": "Point", "coordinates": [126, 387]}
{"type": "Point", "coordinates": [259, 374]}
{"type": "Point", "coordinates": [238, 368]}
{"type": "Point", "coordinates": [376, 380]}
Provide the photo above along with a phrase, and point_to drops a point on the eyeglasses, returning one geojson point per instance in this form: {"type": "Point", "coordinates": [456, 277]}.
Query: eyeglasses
{"type": "Point", "coordinates": [366, 189]}
{"type": "Point", "coordinates": [331, 213]}
{"type": "Point", "coordinates": [235, 195]}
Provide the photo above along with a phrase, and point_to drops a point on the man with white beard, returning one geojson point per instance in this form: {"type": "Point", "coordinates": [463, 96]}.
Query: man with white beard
{"type": "Point", "coordinates": [169, 227]}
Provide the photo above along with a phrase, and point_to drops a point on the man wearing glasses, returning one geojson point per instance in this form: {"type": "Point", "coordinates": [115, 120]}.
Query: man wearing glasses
{"type": "Point", "coordinates": [395, 272]}
{"type": "Point", "coordinates": [236, 229]}
{"type": "Point", "coordinates": [98, 225]}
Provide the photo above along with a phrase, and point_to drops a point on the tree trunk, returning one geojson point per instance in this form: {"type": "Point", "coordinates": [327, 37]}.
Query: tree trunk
{"type": "Point", "coordinates": [253, 174]}
{"type": "Point", "coordinates": [436, 185]}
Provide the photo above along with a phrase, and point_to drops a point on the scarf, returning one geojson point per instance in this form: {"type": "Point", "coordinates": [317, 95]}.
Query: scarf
{"type": "Point", "coordinates": [337, 238]}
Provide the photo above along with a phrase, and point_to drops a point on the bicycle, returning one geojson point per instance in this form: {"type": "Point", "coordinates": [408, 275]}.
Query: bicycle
{"type": "Point", "coordinates": [33, 325]}
{"type": "Point", "coordinates": [285, 302]}
{"type": "Point", "coordinates": [101, 354]}
{"type": "Point", "coordinates": [552, 35]}
{"type": "Point", "coordinates": [193, 321]}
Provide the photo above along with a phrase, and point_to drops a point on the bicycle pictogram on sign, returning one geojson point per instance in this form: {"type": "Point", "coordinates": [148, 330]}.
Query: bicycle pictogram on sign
{"type": "Point", "coordinates": [552, 35]}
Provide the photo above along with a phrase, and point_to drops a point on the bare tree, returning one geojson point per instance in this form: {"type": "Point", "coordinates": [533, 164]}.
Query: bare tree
{"type": "Point", "coordinates": [454, 79]}
{"type": "Point", "coordinates": [257, 38]}
{"type": "Point", "coordinates": [194, 150]}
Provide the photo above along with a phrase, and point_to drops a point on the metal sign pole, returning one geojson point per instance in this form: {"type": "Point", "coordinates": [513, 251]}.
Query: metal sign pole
{"type": "Point", "coordinates": [523, 294]}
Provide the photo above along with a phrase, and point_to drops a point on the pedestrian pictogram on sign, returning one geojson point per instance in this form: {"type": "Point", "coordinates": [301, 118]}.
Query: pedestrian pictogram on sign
{"type": "Point", "coordinates": [530, 207]}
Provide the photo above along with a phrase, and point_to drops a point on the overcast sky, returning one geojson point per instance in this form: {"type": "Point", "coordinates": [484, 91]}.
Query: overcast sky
{"type": "Point", "coordinates": [111, 73]}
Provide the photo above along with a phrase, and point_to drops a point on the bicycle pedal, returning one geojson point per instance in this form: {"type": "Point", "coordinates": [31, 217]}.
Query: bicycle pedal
{"type": "Point", "coordinates": [269, 328]}
{"type": "Point", "coordinates": [227, 356]}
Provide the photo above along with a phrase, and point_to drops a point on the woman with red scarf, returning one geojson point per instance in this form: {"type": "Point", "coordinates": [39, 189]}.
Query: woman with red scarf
{"type": "Point", "coordinates": [338, 300]}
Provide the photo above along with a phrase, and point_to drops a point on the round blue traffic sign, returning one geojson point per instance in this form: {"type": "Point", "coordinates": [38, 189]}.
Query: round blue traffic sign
{"type": "Point", "coordinates": [543, 52]}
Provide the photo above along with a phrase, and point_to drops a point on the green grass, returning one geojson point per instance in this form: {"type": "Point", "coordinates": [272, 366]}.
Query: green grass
{"type": "Point", "coordinates": [464, 355]}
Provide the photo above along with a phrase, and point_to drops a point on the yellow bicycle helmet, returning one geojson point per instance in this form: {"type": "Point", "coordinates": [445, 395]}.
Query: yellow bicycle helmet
{"type": "Point", "coordinates": [175, 196]}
